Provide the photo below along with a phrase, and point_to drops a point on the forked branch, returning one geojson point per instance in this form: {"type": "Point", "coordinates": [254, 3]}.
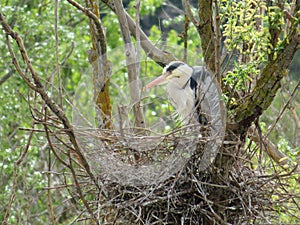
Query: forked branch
{"type": "Point", "coordinates": [35, 84]}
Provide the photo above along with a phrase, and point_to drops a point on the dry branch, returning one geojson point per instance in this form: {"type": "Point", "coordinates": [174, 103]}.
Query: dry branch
{"type": "Point", "coordinates": [269, 147]}
{"type": "Point", "coordinates": [132, 66]}
{"type": "Point", "coordinates": [6, 77]}
{"type": "Point", "coordinates": [159, 56]}
{"type": "Point", "coordinates": [101, 66]}
{"type": "Point", "coordinates": [17, 164]}
{"type": "Point", "coordinates": [38, 87]}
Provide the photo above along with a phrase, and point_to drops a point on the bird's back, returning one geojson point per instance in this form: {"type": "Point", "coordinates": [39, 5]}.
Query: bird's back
{"type": "Point", "coordinates": [200, 82]}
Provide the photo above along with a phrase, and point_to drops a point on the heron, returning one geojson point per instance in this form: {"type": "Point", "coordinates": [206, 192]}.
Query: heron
{"type": "Point", "coordinates": [183, 86]}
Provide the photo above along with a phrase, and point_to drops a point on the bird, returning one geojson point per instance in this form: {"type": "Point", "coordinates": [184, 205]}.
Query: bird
{"type": "Point", "coordinates": [184, 88]}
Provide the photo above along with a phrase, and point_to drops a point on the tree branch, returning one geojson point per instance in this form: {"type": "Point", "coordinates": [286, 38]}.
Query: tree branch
{"type": "Point", "coordinates": [161, 57]}
{"type": "Point", "coordinates": [269, 147]}
{"type": "Point", "coordinates": [217, 43]}
{"type": "Point", "coordinates": [37, 86]}
{"type": "Point", "coordinates": [205, 29]}
{"type": "Point", "coordinates": [133, 74]}
{"type": "Point", "coordinates": [17, 163]}
{"type": "Point", "coordinates": [6, 77]}
{"type": "Point", "coordinates": [101, 66]}
{"type": "Point", "coordinates": [269, 82]}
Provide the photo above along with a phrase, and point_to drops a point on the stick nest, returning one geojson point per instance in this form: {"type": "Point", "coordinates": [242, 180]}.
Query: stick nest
{"type": "Point", "coordinates": [236, 193]}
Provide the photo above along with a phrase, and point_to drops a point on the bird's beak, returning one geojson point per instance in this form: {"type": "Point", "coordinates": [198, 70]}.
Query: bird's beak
{"type": "Point", "coordinates": [158, 81]}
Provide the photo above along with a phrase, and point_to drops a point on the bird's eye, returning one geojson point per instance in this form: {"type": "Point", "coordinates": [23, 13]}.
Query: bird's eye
{"type": "Point", "coordinates": [167, 74]}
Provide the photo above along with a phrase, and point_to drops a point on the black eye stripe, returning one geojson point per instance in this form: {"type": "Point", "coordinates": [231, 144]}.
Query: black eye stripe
{"type": "Point", "coordinates": [173, 67]}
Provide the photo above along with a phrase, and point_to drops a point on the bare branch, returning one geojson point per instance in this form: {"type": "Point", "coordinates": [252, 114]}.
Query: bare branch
{"type": "Point", "coordinates": [101, 66]}
{"type": "Point", "coordinates": [97, 22]}
{"type": "Point", "coordinates": [292, 96]}
{"type": "Point", "coordinates": [37, 86]}
{"type": "Point", "coordinates": [295, 116]}
{"type": "Point", "coordinates": [188, 11]}
{"type": "Point", "coordinates": [269, 147]}
{"type": "Point", "coordinates": [57, 53]}
{"type": "Point", "coordinates": [133, 75]}
{"type": "Point", "coordinates": [17, 163]}
{"type": "Point", "coordinates": [217, 43]}
{"type": "Point", "coordinates": [6, 77]}
{"type": "Point", "coordinates": [159, 56]}
{"type": "Point", "coordinates": [138, 35]}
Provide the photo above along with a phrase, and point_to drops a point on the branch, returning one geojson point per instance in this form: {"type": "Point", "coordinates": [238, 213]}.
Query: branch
{"type": "Point", "coordinates": [295, 116]}
{"type": "Point", "coordinates": [57, 52]}
{"type": "Point", "coordinates": [6, 77]}
{"type": "Point", "coordinates": [17, 163]}
{"type": "Point", "coordinates": [159, 56]}
{"type": "Point", "coordinates": [97, 21]}
{"type": "Point", "coordinates": [37, 86]}
{"type": "Point", "coordinates": [101, 66]}
{"type": "Point", "coordinates": [205, 29]}
{"type": "Point", "coordinates": [188, 11]}
{"type": "Point", "coordinates": [269, 82]}
{"type": "Point", "coordinates": [133, 74]}
{"type": "Point", "coordinates": [269, 147]}
{"type": "Point", "coordinates": [286, 105]}
{"type": "Point", "coordinates": [217, 43]}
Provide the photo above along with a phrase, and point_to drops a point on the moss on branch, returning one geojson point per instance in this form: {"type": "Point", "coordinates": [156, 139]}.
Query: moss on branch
{"type": "Point", "coordinates": [269, 82]}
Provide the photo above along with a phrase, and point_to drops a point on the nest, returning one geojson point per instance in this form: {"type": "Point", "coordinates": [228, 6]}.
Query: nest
{"type": "Point", "coordinates": [137, 160]}
{"type": "Point", "coordinates": [164, 186]}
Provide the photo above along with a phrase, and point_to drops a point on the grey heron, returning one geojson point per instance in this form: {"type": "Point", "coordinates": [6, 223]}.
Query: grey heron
{"type": "Point", "coordinates": [183, 86]}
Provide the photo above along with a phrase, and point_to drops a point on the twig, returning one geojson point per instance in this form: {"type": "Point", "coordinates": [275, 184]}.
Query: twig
{"type": "Point", "coordinates": [52, 148]}
{"type": "Point", "coordinates": [37, 86]}
{"type": "Point", "coordinates": [295, 116]}
{"type": "Point", "coordinates": [79, 191]}
{"type": "Point", "coordinates": [57, 53]}
{"type": "Point", "coordinates": [6, 77]}
{"type": "Point", "coordinates": [138, 35]}
{"type": "Point", "coordinates": [15, 176]}
{"type": "Point", "coordinates": [295, 91]}
{"type": "Point", "coordinates": [92, 16]}
{"type": "Point", "coordinates": [101, 66]}
{"type": "Point", "coordinates": [188, 11]}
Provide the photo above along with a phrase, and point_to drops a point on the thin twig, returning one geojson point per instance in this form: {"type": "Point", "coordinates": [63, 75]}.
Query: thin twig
{"type": "Point", "coordinates": [295, 91]}
{"type": "Point", "coordinates": [79, 191]}
{"type": "Point", "coordinates": [6, 77]}
{"type": "Point", "coordinates": [188, 11]}
{"type": "Point", "coordinates": [160, 56]}
{"type": "Point", "coordinates": [37, 86]}
{"type": "Point", "coordinates": [15, 176]}
{"type": "Point", "coordinates": [57, 53]}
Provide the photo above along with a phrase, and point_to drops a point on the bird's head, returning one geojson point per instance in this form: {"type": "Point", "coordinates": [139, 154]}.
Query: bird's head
{"type": "Point", "coordinates": [176, 72]}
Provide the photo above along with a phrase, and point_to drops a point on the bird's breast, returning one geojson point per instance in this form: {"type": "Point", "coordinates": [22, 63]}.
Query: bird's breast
{"type": "Point", "coordinates": [182, 99]}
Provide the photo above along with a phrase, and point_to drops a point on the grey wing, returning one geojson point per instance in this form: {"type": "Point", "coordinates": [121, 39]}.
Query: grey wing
{"type": "Point", "coordinates": [200, 81]}
{"type": "Point", "coordinates": [212, 106]}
